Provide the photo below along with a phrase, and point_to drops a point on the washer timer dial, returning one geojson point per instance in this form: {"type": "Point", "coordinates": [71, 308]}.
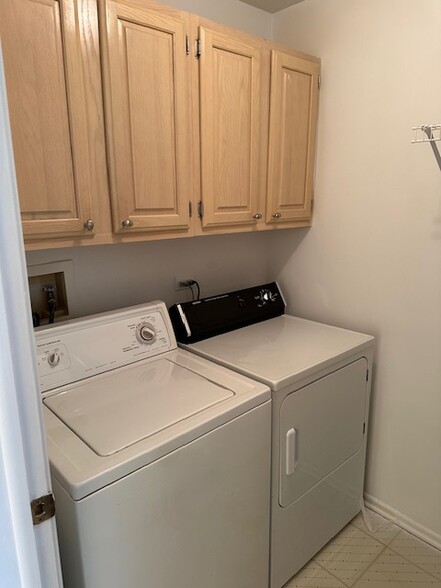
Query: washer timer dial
{"type": "Point", "coordinates": [53, 359]}
{"type": "Point", "coordinates": [146, 333]}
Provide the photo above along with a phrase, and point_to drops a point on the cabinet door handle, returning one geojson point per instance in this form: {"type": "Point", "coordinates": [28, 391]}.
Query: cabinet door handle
{"type": "Point", "coordinates": [127, 224]}
{"type": "Point", "coordinates": [291, 451]}
{"type": "Point", "coordinates": [89, 225]}
{"type": "Point", "coordinates": [257, 216]}
{"type": "Point", "coordinates": [277, 215]}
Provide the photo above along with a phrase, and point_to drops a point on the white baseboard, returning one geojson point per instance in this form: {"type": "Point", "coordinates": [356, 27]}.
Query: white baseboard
{"type": "Point", "coordinates": [403, 521]}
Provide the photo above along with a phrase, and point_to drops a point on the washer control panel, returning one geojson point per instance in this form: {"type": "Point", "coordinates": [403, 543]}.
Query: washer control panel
{"type": "Point", "coordinates": [82, 348]}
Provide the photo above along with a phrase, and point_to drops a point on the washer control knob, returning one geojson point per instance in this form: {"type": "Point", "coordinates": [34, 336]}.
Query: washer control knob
{"type": "Point", "coordinates": [53, 359]}
{"type": "Point", "coordinates": [146, 333]}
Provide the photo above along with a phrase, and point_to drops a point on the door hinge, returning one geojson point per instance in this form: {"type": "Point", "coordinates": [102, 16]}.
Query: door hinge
{"type": "Point", "coordinates": [187, 45]}
{"type": "Point", "coordinates": [367, 375]}
{"type": "Point", "coordinates": [190, 208]}
{"type": "Point", "coordinates": [42, 508]}
{"type": "Point", "coordinates": [319, 81]}
{"type": "Point", "coordinates": [201, 209]}
{"type": "Point", "coordinates": [198, 48]}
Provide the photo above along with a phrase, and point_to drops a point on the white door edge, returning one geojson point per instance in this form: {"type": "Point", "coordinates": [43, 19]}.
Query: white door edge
{"type": "Point", "coordinates": [29, 556]}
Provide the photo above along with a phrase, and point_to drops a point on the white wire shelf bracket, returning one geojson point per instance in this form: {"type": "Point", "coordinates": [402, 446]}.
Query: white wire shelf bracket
{"type": "Point", "coordinates": [426, 133]}
{"type": "Point", "coordinates": [429, 134]}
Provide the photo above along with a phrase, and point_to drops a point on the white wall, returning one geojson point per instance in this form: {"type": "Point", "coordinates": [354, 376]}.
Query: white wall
{"type": "Point", "coordinates": [372, 260]}
{"type": "Point", "coordinates": [113, 276]}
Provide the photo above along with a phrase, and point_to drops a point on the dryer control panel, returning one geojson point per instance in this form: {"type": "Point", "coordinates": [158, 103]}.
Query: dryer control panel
{"type": "Point", "coordinates": [82, 348]}
{"type": "Point", "coordinates": [201, 319]}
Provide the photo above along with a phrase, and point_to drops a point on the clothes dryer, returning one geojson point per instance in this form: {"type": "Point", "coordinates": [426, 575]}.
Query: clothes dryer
{"type": "Point", "coordinates": [320, 378]}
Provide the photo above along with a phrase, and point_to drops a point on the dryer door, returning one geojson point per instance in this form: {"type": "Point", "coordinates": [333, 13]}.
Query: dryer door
{"type": "Point", "coordinates": [321, 426]}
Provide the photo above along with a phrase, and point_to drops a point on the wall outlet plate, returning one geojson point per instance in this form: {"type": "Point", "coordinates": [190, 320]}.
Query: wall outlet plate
{"type": "Point", "coordinates": [178, 281]}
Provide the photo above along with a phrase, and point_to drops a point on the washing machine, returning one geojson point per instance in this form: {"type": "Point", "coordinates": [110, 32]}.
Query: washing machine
{"type": "Point", "coordinates": [320, 379]}
{"type": "Point", "coordinates": [160, 459]}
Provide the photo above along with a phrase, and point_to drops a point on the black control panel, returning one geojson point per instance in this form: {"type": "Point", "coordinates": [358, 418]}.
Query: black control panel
{"type": "Point", "coordinates": [201, 319]}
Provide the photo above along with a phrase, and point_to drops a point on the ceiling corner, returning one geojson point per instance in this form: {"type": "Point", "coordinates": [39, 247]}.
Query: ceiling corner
{"type": "Point", "coordinates": [272, 6]}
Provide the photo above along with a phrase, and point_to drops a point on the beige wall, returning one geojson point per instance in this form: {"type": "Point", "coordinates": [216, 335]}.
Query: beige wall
{"type": "Point", "coordinates": [372, 260]}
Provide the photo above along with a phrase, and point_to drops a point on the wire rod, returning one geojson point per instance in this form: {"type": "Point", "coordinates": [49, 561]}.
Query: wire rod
{"type": "Point", "coordinates": [429, 132]}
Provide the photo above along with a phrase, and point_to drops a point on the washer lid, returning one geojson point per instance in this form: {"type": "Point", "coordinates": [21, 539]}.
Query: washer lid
{"type": "Point", "coordinates": [119, 409]}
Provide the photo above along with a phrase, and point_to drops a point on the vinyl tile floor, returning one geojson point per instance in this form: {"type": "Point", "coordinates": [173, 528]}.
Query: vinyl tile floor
{"type": "Point", "coordinates": [386, 557]}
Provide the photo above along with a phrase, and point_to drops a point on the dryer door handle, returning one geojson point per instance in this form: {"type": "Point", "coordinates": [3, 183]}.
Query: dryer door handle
{"type": "Point", "coordinates": [291, 451]}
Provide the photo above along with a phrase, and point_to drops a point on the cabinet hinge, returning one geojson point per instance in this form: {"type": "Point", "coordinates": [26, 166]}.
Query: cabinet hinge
{"type": "Point", "coordinates": [190, 208]}
{"type": "Point", "coordinates": [198, 48]}
{"type": "Point", "coordinates": [42, 509]}
{"type": "Point", "coordinates": [201, 209]}
{"type": "Point", "coordinates": [187, 45]}
{"type": "Point", "coordinates": [319, 81]}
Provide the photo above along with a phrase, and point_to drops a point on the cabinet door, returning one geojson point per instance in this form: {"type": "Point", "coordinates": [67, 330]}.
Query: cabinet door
{"type": "Point", "coordinates": [148, 118]}
{"type": "Point", "coordinates": [231, 128]}
{"type": "Point", "coordinates": [293, 116]}
{"type": "Point", "coordinates": [47, 103]}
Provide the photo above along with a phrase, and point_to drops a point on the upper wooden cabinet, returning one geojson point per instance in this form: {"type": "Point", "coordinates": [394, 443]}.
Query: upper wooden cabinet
{"type": "Point", "coordinates": [233, 75]}
{"type": "Point", "coordinates": [148, 116]}
{"type": "Point", "coordinates": [132, 120]}
{"type": "Point", "coordinates": [51, 124]}
{"type": "Point", "coordinates": [293, 116]}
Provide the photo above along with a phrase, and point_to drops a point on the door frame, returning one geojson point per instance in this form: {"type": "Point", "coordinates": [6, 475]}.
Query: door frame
{"type": "Point", "coordinates": [29, 555]}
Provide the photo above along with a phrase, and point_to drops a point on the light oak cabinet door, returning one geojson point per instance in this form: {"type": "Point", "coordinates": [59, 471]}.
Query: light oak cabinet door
{"type": "Point", "coordinates": [148, 117]}
{"type": "Point", "coordinates": [293, 119]}
{"type": "Point", "coordinates": [47, 98]}
{"type": "Point", "coordinates": [232, 127]}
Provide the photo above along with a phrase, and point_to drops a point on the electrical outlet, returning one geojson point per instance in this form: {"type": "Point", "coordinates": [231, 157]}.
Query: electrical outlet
{"type": "Point", "coordinates": [178, 283]}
